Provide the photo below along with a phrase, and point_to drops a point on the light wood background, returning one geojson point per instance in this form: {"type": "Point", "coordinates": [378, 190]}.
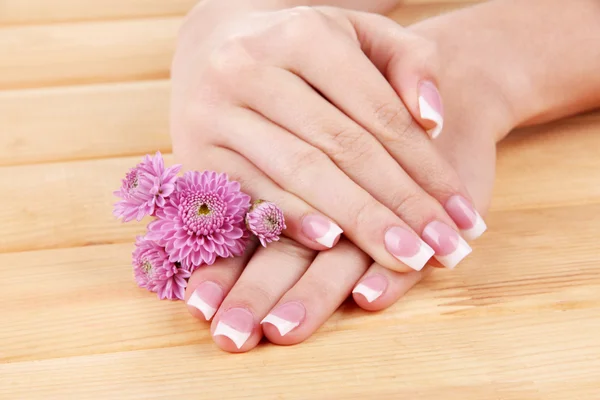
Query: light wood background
{"type": "Point", "coordinates": [84, 92]}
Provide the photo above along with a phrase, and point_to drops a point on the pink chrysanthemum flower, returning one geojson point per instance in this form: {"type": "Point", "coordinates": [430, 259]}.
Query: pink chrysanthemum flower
{"type": "Point", "coordinates": [147, 257]}
{"type": "Point", "coordinates": [145, 188]}
{"type": "Point", "coordinates": [266, 221]}
{"type": "Point", "coordinates": [170, 281]}
{"type": "Point", "coordinates": [203, 219]}
{"type": "Point", "coordinates": [153, 270]}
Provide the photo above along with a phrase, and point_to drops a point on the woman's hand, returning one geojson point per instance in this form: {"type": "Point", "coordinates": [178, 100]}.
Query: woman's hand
{"type": "Point", "coordinates": [294, 286]}
{"type": "Point", "coordinates": [295, 105]}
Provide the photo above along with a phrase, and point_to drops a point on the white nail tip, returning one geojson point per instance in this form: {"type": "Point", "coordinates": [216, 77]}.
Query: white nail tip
{"type": "Point", "coordinates": [283, 325]}
{"type": "Point", "coordinates": [370, 294]}
{"type": "Point", "coordinates": [427, 112]}
{"type": "Point", "coordinates": [419, 260]}
{"type": "Point", "coordinates": [237, 337]}
{"type": "Point", "coordinates": [197, 302]}
{"type": "Point", "coordinates": [332, 234]}
{"type": "Point", "coordinates": [477, 230]}
{"type": "Point", "coordinates": [451, 260]}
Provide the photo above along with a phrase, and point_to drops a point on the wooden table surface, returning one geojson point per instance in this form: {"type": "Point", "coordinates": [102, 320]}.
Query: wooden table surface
{"type": "Point", "coordinates": [84, 92]}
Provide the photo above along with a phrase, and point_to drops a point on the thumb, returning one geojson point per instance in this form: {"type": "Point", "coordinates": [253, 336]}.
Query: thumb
{"type": "Point", "coordinates": [409, 63]}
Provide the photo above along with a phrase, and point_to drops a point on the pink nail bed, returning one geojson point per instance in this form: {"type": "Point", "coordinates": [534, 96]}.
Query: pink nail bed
{"type": "Point", "coordinates": [207, 297]}
{"type": "Point", "coordinates": [430, 107]}
{"type": "Point", "coordinates": [236, 324]}
{"type": "Point", "coordinates": [321, 230]}
{"type": "Point", "coordinates": [407, 247]}
{"type": "Point", "coordinates": [465, 216]}
{"type": "Point", "coordinates": [286, 317]}
{"type": "Point", "coordinates": [371, 287]}
{"type": "Point", "coordinates": [450, 248]}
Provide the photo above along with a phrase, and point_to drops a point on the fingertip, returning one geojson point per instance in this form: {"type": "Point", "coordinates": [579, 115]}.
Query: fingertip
{"type": "Point", "coordinates": [371, 292]}
{"type": "Point", "coordinates": [235, 331]}
{"type": "Point", "coordinates": [204, 300]}
{"type": "Point", "coordinates": [284, 325]}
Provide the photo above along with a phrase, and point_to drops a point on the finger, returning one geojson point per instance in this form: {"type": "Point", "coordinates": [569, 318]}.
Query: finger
{"type": "Point", "coordinates": [379, 287]}
{"type": "Point", "coordinates": [410, 64]}
{"type": "Point", "coordinates": [308, 173]}
{"type": "Point", "coordinates": [304, 223]}
{"type": "Point", "coordinates": [208, 286]}
{"type": "Point", "coordinates": [363, 93]}
{"type": "Point", "coordinates": [354, 151]}
{"type": "Point", "coordinates": [408, 59]}
{"type": "Point", "coordinates": [268, 275]}
{"type": "Point", "coordinates": [320, 291]}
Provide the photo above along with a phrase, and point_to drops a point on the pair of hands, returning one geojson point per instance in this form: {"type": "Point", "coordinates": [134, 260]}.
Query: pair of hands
{"type": "Point", "coordinates": [325, 112]}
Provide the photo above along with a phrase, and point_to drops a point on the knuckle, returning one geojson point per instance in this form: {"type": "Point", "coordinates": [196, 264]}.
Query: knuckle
{"type": "Point", "coordinates": [446, 185]}
{"type": "Point", "coordinates": [349, 147]}
{"type": "Point", "coordinates": [323, 290]}
{"type": "Point", "coordinates": [253, 293]}
{"type": "Point", "coordinates": [394, 119]}
{"type": "Point", "coordinates": [361, 214]}
{"type": "Point", "coordinates": [404, 202]}
{"type": "Point", "coordinates": [301, 24]}
{"type": "Point", "coordinates": [230, 59]}
{"type": "Point", "coordinates": [301, 160]}
{"type": "Point", "coordinates": [292, 249]}
{"type": "Point", "coordinates": [424, 55]}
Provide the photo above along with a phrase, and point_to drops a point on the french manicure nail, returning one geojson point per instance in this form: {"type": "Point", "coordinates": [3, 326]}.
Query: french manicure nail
{"type": "Point", "coordinates": [207, 297]}
{"type": "Point", "coordinates": [286, 317]}
{"type": "Point", "coordinates": [465, 216]}
{"type": "Point", "coordinates": [235, 324]}
{"type": "Point", "coordinates": [321, 230]}
{"type": "Point", "coordinates": [371, 287]}
{"type": "Point", "coordinates": [450, 248]}
{"type": "Point", "coordinates": [407, 247]}
{"type": "Point", "coordinates": [430, 107]}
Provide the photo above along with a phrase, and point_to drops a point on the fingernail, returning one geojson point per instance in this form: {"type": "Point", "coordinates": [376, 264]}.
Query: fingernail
{"type": "Point", "coordinates": [321, 230]}
{"type": "Point", "coordinates": [407, 247]}
{"type": "Point", "coordinates": [207, 297]}
{"type": "Point", "coordinates": [372, 287]}
{"type": "Point", "coordinates": [450, 248]}
{"type": "Point", "coordinates": [286, 317]}
{"type": "Point", "coordinates": [465, 216]}
{"type": "Point", "coordinates": [430, 107]}
{"type": "Point", "coordinates": [235, 324]}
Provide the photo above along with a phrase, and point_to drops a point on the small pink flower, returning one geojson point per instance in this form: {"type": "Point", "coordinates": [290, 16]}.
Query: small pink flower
{"type": "Point", "coordinates": [153, 270]}
{"type": "Point", "coordinates": [147, 257]}
{"type": "Point", "coordinates": [266, 221]}
{"type": "Point", "coordinates": [145, 188]}
{"type": "Point", "coordinates": [203, 219]}
{"type": "Point", "coordinates": [171, 281]}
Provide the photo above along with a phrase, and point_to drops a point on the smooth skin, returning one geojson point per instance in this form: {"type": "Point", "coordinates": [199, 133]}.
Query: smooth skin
{"type": "Point", "coordinates": [484, 101]}
{"type": "Point", "coordinates": [345, 148]}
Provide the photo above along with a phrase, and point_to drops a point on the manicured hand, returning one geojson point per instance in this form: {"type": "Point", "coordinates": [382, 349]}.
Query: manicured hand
{"type": "Point", "coordinates": [295, 105]}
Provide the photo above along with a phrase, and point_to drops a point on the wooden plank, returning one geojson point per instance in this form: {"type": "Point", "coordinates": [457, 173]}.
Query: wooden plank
{"type": "Point", "coordinates": [62, 205]}
{"type": "Point", "coordinates": [58, 124]}
{"type": "Point", "coordinates": [550, 165]}
{"type": "Point", "coordinates": [13, 12]}
{"type": "Point", "coordinates": [69, 54]}
{"type": "Point", "coordinates": [42, 11]}
{"type": "Point", "coordinates": [70, 203]}
{"type": "Point", "coordinates": [510, 278]}
{"type": "Point", "coordinates": [113, 51]}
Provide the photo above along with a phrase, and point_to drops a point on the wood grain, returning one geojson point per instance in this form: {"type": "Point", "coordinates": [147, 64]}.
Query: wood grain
{"type": "Point", "coordinates": [70, 54]}
{"type": "Point", "coordinates": [13, 12]}
{"type": "Point", "coordinates": [83, 122]}
{"type": "Point", "coordinates": [84, 93]}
